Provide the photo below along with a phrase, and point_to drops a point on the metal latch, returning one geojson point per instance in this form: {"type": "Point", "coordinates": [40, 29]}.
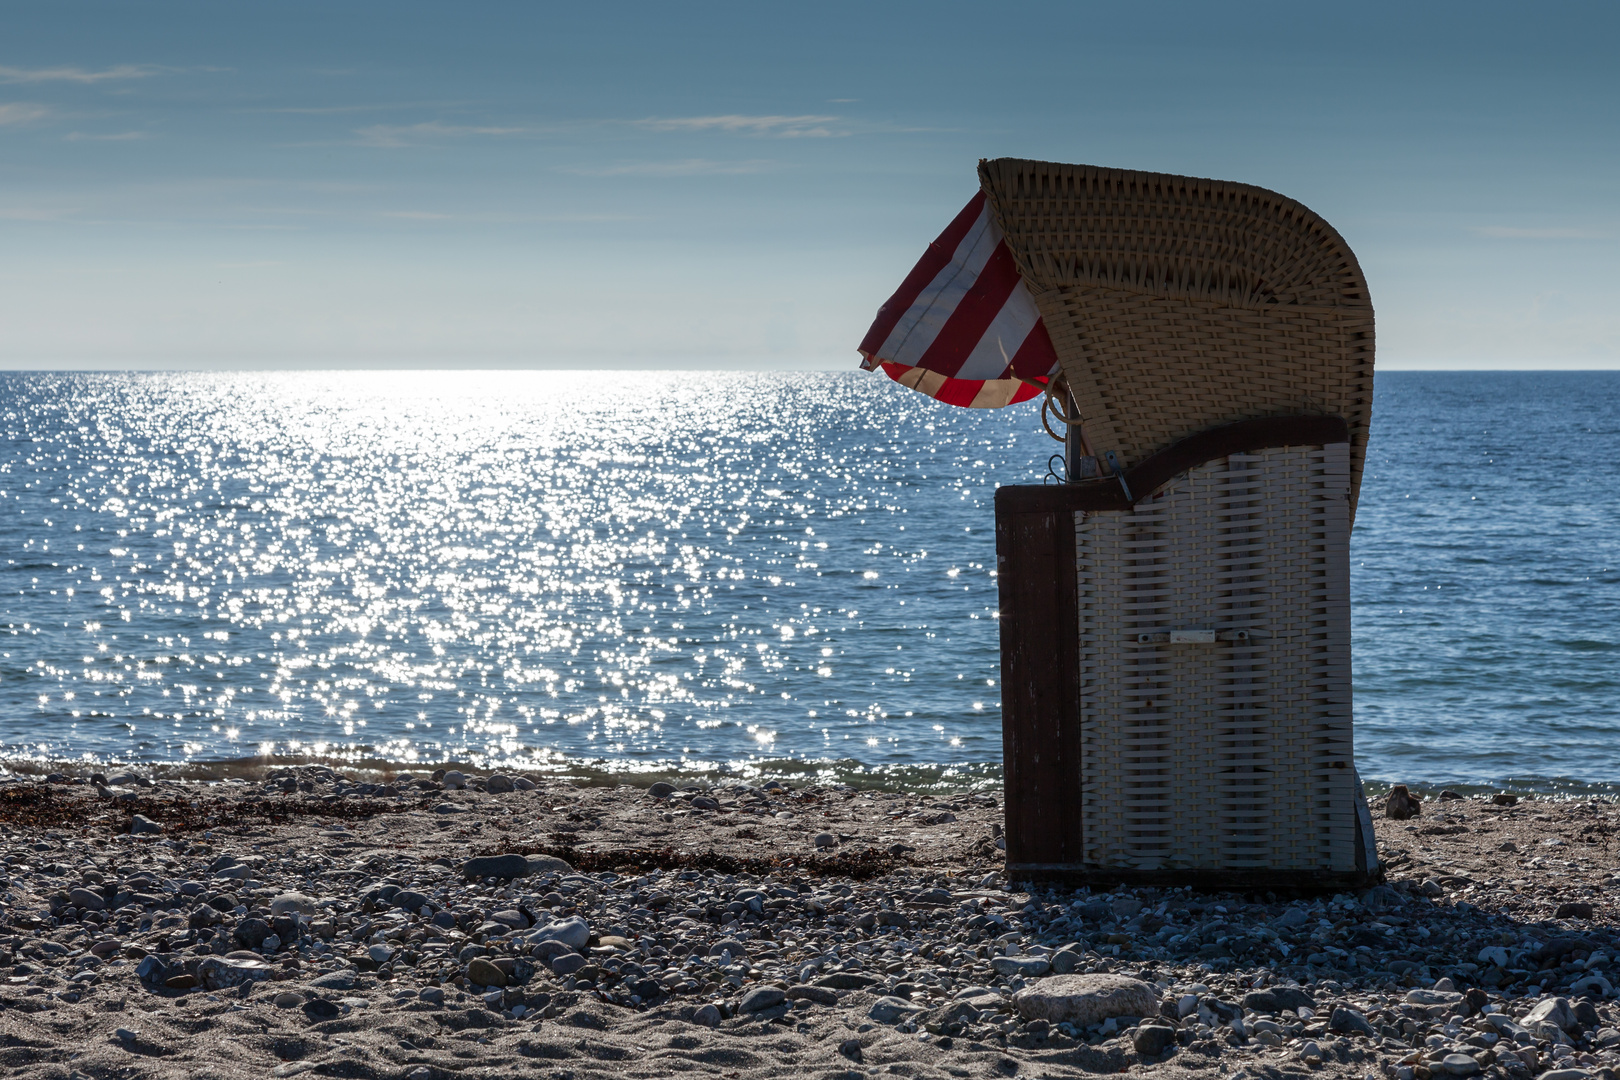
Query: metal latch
{"type": "Point", "coordinates": [1196, 637]}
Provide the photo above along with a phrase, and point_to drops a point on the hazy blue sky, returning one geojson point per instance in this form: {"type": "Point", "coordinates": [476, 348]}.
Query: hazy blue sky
{"type": "Point", "coordinates": [704, 185]}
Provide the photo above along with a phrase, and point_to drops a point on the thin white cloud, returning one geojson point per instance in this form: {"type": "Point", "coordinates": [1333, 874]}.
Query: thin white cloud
{"type": "Point", "coordinates": [75, 74]}
{"type": "Point", "coordinates": [684, 167]}
{"type": "Point", "coordinates": [1507, 232]}
{"type": "Point", "coordinates": [397, 135]}
{"type": "Point", "coordinates": [122, 136]}
{"type": "Point", "coordinates": [15, 113]}
{"type": "Point", "coordinates": [780, 127]}
{"type": "Point", "coordinates": [504, 218]}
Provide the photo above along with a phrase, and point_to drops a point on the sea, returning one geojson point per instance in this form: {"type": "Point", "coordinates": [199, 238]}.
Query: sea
{"type": "Point", "coordinates": [619, 575]}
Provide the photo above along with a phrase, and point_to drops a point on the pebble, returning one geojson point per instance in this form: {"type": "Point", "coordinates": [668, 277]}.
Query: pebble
{"type": "Point", "coordinates": [1086, 999]}
{"type": "Point", "coordinates": [568, 963]}
{"type": "Point", "coordinates": [762, 997]}
{"type": "Point", "coordinates": [496, 866]}
{"type": "Point", "coordinates": [1151, 1040]}
{"type": "Point", "coordinates": [291, 903]}
{"type": "Point", "coordinates": [482, 972]}
{"type": "Point", "coordinates": [1020, 967]}
{"type": "Point", "coordinates": [321, 1009]}
{"type": "Point", "coordinates": [888, 1010]}
{"type": "Point", "coordinates": [498, 784]}
{"type": "Point", "coordinates": [1398, 973]}
{"type": "Point", "coordinates": [573, 932]}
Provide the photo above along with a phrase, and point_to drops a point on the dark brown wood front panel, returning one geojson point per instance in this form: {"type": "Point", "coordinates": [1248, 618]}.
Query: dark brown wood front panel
{"type": "Point", "coordinates": [1040, 684]}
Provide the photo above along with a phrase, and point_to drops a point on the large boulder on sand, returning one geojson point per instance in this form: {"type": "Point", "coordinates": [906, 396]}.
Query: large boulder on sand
{"type": "Point", "coordinates": [1086, 999]}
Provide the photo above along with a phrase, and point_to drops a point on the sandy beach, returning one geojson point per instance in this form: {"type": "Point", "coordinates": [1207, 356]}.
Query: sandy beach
{"type": "Point", "coordinates": [312, 921]}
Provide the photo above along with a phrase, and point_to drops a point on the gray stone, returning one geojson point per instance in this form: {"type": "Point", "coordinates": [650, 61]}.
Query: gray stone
{"type": "Point", "coordinates": [1552, 1010]}
{"type": "Point", "coordinates": [954, 1012]}
{"type": "Point", "coordinates": [1126, 907]}
{"type": "Point", "coordinates": [496, 866]}
{"type": "Point", "coordinates": [380, 953]}
{"type": "Point", "coordinates": [549, 864]}
{"type": "Point", "coordinates": [288, 999]}
{"type": "Point", "coordinates": [454, 780]}
{"type": "Point", "coordinates": [1278, 999]}
{"type": "Point", "coordinates": [224, 972]}
{"type": "Point", "coordinates": [1346, 1021]}
{"type": "Point", "coordinates": [498, 784]}
{"type": "Point", "coordinates": [250, 933]}
{"type": "Point", "coordinates": [762, 997]}
{"type": "Point", "coordinates": [85, 900]}
{"type": "Point", "coordinates": [889, 1010]}
{"type": "Point", "coordinates": [1020, 967]}
{"type": "Point", "coordinates": [319, 1010]}
{"type": "Point", "coordinates": [140, 825]}
{"type": "Point", "coordinates": [152, 969]}
{"type": "Point", "coordinates": [341, 979]}
{"type": "Point", "coordinates": [1293, 919]}
{"type": "Point", "coordinates": [1151, 1040]}
{"type": "Point", "coordinates": [1086, 999]}
{"type": "Point", "coordinates": [851, 1049]}
{"type": "Point", "coordinates": [523, 783]}
{"type": "Point", "coordinates": [574, 933]}
{"type": "Point", "coordinates": [825, 840]}
{"type": "Point", "coordinates": [568, 963]}
{"type": "Point", "coordinates": [432, 995]}
{"type": "Point", "coordinates": [1567, 1074]}
{"type": "Point", "coordinates": [1455, 1065]}
{"type": "Point", "coordinates": [818, 994]}
{"type": "Point", "coordinates": [291, 903]}
{"type": "Point", "coordinates": [707, 1016]}
{"type": "Point", "coordinates": [737, 949]}
{"type": "Point", "coordinates": [1064, 961]}
{"type": "Point", "coordinates": [661, 790]}
{"type": "Point", "coordinates": [410, 900]}
{"type": "Point", "coordinates": [482, 972]}
{"type": "Point", "coordinates": [547, 951]}
{"type": "Point", "coordinates": [846, 980]}
{"type": "Point", "coordinates": [703, 802]}
{"type": "Point", "coordinates": [510, 917]}
{"type": "Point", "coordinates": [1432, 997]}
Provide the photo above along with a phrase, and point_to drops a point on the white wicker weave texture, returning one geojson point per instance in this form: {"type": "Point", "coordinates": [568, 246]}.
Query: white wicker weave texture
{"type": "Point", "coordinates": [1234, 753]}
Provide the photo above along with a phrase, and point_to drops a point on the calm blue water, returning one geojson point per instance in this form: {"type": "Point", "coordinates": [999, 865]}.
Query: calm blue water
{"type": "Point", "coordinates": [781, 573]}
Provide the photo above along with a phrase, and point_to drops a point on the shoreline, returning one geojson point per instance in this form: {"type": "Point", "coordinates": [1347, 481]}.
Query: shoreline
{"type": "Point", "coordinates": [329, 927]}
{"type": "Point", "coordinates": [942, 779]}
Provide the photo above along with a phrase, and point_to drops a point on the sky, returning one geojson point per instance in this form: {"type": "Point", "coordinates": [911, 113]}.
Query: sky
{"type": "Point", "coordinates": [308, 185]}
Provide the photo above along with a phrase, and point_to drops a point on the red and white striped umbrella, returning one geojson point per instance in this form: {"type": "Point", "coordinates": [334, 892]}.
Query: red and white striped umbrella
{"type": "Point", "coordinates": [963, 328]}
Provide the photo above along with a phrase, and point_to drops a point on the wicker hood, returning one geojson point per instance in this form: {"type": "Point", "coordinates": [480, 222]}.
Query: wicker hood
{"type": "Point", "coordinates": [1178, 304]}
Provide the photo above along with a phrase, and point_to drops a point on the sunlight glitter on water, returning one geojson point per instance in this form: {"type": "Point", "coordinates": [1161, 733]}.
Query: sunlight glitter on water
{"type": "Point", "coordinates": [686, 569]}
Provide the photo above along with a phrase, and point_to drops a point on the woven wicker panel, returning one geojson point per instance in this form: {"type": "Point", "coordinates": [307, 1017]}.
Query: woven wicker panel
{"type": "Point", "coordinates": [1178, 304]}
{"type": "Point", "coordinates": [1236, 754]}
